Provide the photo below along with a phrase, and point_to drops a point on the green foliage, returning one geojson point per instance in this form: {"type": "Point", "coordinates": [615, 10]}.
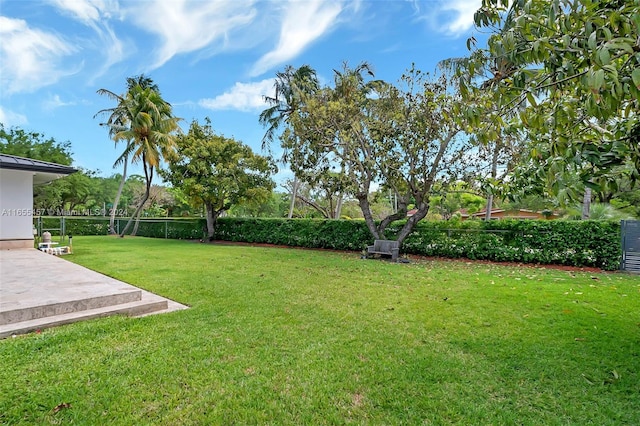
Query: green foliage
{"type": "Point", "coordinates": [187, 228]}
{"type": "Point", "coordinates": [312, 233]}
{"type": "Point", "coordinates": [570, 69]}
{"type": "Point", "coordinates": [219, 172]}
{"type": "Point", "coordinates": [574, 243]}
{"type": "Point", "coordinates": [582, 243]}
{"type": "Point", "coordinates": [33, 145]}
{"type": "Point", "coordinates": [347, 136]}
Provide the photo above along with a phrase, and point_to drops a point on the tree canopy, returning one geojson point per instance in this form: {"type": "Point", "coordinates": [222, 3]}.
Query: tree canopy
{"type": "Point", "coordinates": [570, 70]}
{"type": "Point", "coordinates": [219, 172]}
{"type": "Point", "coordinates": [362, 133]}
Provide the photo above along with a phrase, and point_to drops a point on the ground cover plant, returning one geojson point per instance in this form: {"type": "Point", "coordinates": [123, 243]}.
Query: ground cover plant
{"type": "Point", "coordinates": [291, 336]}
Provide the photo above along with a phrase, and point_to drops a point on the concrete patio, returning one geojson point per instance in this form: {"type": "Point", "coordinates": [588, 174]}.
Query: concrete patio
{"type": "Point", "coordinates": [39, 290]}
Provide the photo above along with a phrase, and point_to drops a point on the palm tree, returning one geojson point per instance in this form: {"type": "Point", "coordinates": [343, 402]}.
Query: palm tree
{"type": "Point", "coordinates": [290, 86]}
{"type": "Point", "coordinates": [151, 133]}
{"type": "Point", "coordinates": [149, 129]}
{"type": "Point", "coordinates": [117, 121]}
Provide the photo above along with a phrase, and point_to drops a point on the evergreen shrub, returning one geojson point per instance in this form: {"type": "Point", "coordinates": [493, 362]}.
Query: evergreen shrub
{"type": "Point", "coordinates": [574, 243]}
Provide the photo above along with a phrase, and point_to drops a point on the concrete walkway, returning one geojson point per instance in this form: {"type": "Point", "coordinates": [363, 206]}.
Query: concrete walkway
{"type": "Point", "coordinates": [39, 290]}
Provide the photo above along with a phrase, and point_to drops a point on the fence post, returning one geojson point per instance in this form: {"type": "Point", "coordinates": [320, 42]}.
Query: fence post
{"type": "Point", "coordinates": [166, 229]}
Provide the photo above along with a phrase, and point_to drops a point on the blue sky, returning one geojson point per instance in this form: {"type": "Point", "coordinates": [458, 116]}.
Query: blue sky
{"type": "Point", "coordinates": [209, 58]}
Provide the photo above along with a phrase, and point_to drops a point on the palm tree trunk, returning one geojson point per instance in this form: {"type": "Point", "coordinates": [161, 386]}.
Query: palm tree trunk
{"type": "Point", "coordinates": [136, 225]}
{"type": "Point", "coordinates": [338, 211]}
{"type": "Point", "coordinates": [494, 173]}
{"type": "Point", "coordinates": [294, 193]}
{"type": "Point", "coordinates": [586, 204]}
{"type": "Point", "coordinates": [112, 218]}
{"type": "Point", "coordinates": [148, 176]}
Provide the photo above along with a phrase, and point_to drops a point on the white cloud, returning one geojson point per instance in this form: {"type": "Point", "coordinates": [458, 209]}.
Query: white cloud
{"type": "Point", "coordinates": [453, 17]}
{"type": "Point", "coordinates": [54, 101]}
{"type": "Point", "coordinates": [186, 26]}
{"type": "Point", "coordinates": [242, 96]}
{"type": "Point", "coordinates": [10, 118]}
{"type": "Point", "coordinates": [462, 12]}
{"type": "Point", "coordinates": [86, 11]}
{"type": "Point", "coordinates": [96, 14]}
{"type": "Point", "coordinates": [29, 58]}
{"type": "Point", "coordinates": [303, 22]}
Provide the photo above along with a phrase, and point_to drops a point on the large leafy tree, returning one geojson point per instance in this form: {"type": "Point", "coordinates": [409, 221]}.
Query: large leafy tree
{"type": "Point", "coordinates": [219, 172]}
{"type": "Point", "coordinates": [371, 133]}
{"type": "Point", "coordinates": [572, 69]}
{"type": "Point", "coordinates": [17, 141]}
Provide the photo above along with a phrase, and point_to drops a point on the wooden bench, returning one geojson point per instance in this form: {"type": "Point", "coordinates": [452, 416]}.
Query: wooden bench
{"type": "Point", "coordinates": [384, 247]}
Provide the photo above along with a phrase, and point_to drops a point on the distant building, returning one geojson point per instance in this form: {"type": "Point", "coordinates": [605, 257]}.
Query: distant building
{"type": "Point", "coordinates": [510, 214]}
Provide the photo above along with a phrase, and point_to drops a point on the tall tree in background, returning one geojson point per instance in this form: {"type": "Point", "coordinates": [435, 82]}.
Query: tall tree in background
{"type": "Point", "coordinates": [150, 134]}
{"type": "Point", "coordinates": [369, 132]}
{"type": "Point", "coordinates": [219, 172]}
{"type": "Point", "coordinates": [117, 121]}
{"type": "Point", "coordinates": [290, 86]}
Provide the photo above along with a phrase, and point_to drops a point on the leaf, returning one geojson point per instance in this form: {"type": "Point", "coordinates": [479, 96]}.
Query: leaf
{"type": "Point", "coordinates": [598, 80]}
{"type": "Point", "coordinates": [604, 56]}
{"type": "Point", "coordinates": [588, 379]}
{"type": "Point", "coordinates": [531, 99]}
{"type": "Point", "coordinates": [592, 41]}
{"type": "Point", "coordinates": [635, 76]}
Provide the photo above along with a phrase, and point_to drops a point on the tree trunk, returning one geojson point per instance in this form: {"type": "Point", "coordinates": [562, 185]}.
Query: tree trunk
{"type": "Point", "coordinates": [489, 207]}
{"type": "Point", "coordinates": [423, 209]}
{"type": "Point", "coordinates": [212, 218]}
{"type": "Point", "coordinates": [148, 174]}
{"type": "Point", "coordinates": [586, 204]}
{"type": "Point", "coordinates": [325, 212]}
{"type": "Point", "coordinates": [338, 211]}
{"type": "Point", "coordinates": [363, 201]}
{"type": "Point", "coordinates": [136, 224]}
{"type": "Point", "coordinates": [112, 218]}
{"type": "Point", "coordinates": [494, 173]}
{"type": "Point", "coordinates": [294, 193]}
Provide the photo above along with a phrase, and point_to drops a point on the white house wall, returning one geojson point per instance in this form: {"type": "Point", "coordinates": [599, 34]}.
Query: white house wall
{"type": "Point", "coordinates": [16, 209]}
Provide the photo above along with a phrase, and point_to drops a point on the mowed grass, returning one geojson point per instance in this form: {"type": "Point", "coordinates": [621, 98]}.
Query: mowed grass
{"type": "Point", "coordinates": [293, 337]}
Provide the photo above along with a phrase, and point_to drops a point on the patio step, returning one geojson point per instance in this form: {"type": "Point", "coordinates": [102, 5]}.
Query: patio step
{"type": "Point", "coordinates": [78, 304]}
{"type": "Point", "coordinates": [147, 303]}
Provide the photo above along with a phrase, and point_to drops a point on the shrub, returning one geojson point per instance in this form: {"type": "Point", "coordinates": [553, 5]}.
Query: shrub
{"type": "Point", "coordinates": [575, 243]}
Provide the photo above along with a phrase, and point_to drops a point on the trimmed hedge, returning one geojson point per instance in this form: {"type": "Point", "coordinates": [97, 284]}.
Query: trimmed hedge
{"type": "Point", "coordinates": [574, 243]}
{"type": "Point", "coordinates": [155, 228]}
{"type": "Point", "coordinates": [312, 233]}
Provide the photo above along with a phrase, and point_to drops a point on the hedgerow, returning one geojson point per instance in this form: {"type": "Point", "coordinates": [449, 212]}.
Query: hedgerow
{"type": "Point", "coordinates": [575, 243]}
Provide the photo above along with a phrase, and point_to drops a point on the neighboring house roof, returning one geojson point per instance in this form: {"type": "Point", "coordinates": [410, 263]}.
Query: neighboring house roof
{"type": "Point", "coordinates": [512, 214]}
{"type": "Point", "coordinates": [43, 171]}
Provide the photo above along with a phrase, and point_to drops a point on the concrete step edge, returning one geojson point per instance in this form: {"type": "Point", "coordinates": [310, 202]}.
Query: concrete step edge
{"type": "Point", "coordinates": [138, 308]}
{"type": "Point", "coordinates": [67, 307]}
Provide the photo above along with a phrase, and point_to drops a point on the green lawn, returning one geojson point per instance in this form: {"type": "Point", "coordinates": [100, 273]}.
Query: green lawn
{"type": "Point", "coordinates": [287, 336]}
